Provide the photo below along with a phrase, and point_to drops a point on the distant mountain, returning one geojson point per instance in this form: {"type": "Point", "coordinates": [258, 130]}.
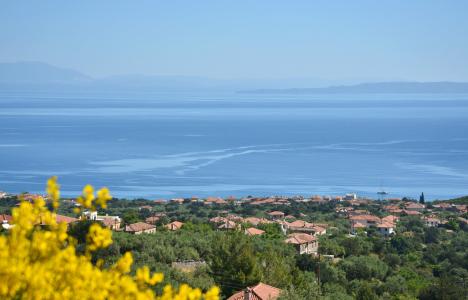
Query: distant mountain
{"type": "Point", "coordinates": [42, 76]}
{"type": "Point", "coordinates": [38, 73]}
{"type": "Point", "coordinates": [378, 87]}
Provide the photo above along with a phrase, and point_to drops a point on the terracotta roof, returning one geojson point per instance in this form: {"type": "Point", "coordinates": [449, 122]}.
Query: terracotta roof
{"type": "Point", "coordinates": [386, 225]}
{"type": "Point", "coordinates": [234, 218]}
{"type": "Point", "coordinates": [65, 219]}
{"type": "Point", "coordinates": [228, 225]}
{"type": "Point", "coordinates": [137, 227]}
{"type": "Point", "coordinates": [300, 238]}
{"type": "Point", "coordinates": [174, 225]}
{"type": "Point", "coordinates": [148, 207]}
{"type": "Point", "coordinates": [370, 218]}
{"type": "Point", "coordinates": [300, 223]}
{"type": "Point", "coordinates": [110, 221]}
{"type": "Point", "coordinates": [276, 213]}
{"type": "Point", "coordinates": [254, 231]}
{"type": "Point", "coordinates": [411, 213]}
{"type": "Point", "coordinates": [152, 219]}
{"type": "Point", "coordinates": [431, 219]}
{"type": "Point", "coordinates": [415, 205]}
{"type": "Point", "coordinates": [261, 291]}
{"type": "Point", "coordinates": [256, 221]}
{"type": "Point", "coordinates": [218, 220]}
{"type": "Point", "coordinates": [391, 219]}
{"type": "Point", "coordinates": [358, 225]}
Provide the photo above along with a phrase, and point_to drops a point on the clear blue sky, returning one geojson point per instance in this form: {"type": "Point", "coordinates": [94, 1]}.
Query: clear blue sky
{"type": "Point", "coordinates": [394, 39]}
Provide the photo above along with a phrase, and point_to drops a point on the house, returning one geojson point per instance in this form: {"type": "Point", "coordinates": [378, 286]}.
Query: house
{"type": "Point", "coordinates": [218, 220]}
{"type": "Point", "coordinates": [176, 225]}
{"type": "Point", "coordinates": [62, 219]}
{"type": "Point", "coordinates": [350, 196]}
{"type": "Point", "coordinates": [111, 222]}
{"type": "Point", "coordinates": [5, 218]}
{"type": "Point", "coordinates": [304, 243]}
{"type": "Point", "coordinates": [140, 227]}
{"type": "Point", "coordinates": [255, 221]}
{"type": "Point", "coordinates": [228, 225]}
{"type": "Point", "coordinates": [355, 227]}
{"type": "Point", "coordinates": [152, 220]}
{"type": "Point", "coordinates": [5, 221]}
{"type": "Point", "coordinates": [260, 291]}
{"type": "Point", "coordinates": [276, 215]}
{"type": "Point", "coordinates": [390, 219]}
{"type": "Point", "coordinates": [177, 200]}
{"type": "Point", "coordinates": [148, 207]}
{"type": "Point", "coordinates": [386, 228]}
{"type": "Point", "coordinates": [432, 221]}
{"type": "Point", "coordinates": [367, 220]}
{"type": "Point", "coordinates": [411, 212]}
{"type": "Point", "coordinates": [234, 218]}
{"type": "Point", "coordinates": [413, 206]}
{"type": "Point", "coordinates": [253, 231]}
{"type": "Point", "coordinates": [303, 226]}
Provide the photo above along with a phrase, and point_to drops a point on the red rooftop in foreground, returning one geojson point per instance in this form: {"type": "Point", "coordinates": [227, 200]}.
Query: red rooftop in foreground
{"type": "Point", "coordinates": [259, 292]}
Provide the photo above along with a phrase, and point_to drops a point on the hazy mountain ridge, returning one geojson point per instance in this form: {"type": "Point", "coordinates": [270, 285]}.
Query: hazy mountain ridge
{"type": "Point", "coordinates": [27, 75]}
{"type": "Point", "coordinates": [37, 73]}
{"type": "Point", "coordinates": [378, 87]}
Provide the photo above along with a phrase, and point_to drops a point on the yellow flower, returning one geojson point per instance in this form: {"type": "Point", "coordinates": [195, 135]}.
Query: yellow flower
{"type": "Point", "coordinates": [53, 190]}
{"type": "Point", "coordinates": [98, 237]}
{"type": "Point", "coordinates": [38, 262]}
{"type": "Point", "coordinates": [124, 264]}
{"type": "Point", "coordinates": [103, 195]}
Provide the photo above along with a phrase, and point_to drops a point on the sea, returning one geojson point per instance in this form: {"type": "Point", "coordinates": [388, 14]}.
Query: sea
{"type": "Point", "coordinates": [163, 145]}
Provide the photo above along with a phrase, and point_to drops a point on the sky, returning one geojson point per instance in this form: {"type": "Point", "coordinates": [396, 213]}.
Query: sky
{"type": "Point", "coordinates": [421, 40]}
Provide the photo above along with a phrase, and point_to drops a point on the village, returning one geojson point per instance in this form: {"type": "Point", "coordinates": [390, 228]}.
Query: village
{"type": "Point", "coordinates": [300, 222]}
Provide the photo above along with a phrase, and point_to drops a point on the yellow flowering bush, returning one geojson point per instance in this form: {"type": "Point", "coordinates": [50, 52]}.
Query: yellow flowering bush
{"type": "Point", "coordinates": [38, 259]}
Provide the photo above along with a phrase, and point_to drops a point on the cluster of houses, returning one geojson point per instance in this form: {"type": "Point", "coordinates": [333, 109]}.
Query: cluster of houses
{"type": "Point", "coordinates": [272, 200]}
{"type": "Point", "coordinates": [301, 234]}
{"type": "Point", "coordinates": [361, 220]}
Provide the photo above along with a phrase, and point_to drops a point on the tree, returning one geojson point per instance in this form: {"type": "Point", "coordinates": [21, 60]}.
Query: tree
{"type": "Point", "coordinates": [365, 292]}
{"type": "Point", "coordinates": [364, 267]}
{"type": "Point", "coordinates": [421, 199]}
{"type": "Point", "coordinates": [234, 264]}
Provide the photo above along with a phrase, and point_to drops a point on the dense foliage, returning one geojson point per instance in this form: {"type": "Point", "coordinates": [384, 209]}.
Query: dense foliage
{"type": "Point", "coordinates": [40, 260]}
{"type": "Point", "coordinates": [418, 262]}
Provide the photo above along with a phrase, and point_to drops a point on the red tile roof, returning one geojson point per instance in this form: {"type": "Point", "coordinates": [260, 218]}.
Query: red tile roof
{"type": "Point", "coordinates": [411, 212]}
{"type": "Point", "coordinates": [256, 221]}
{"type": "Point", "coordinates": [276, 213]}
{"type": "Point", "coordinates": [152, 219]}
{"type": "Point", "coordinates": [368, 218]}
{"type": "Point", "coordinates": [300, 238]}
{"type": "Point", "coordinates": [259, 292]}
{"type": "Point", "coordinates": [254, 231]}
{"type": "Point", "coordinates": [137, 227]}
{"type": "Point", "coordinates": [415, 205]}
{"type": "Point", "coordinates": [174, 225]}
{"type": "Point", "coordinates": [228, 225]}
{"type": "Point", "coordinates": [386, 225]}
{"type": "Point", "coordinates": [390, 219]}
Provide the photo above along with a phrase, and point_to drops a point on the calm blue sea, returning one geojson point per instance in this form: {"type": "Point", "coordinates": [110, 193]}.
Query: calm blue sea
{"type": "Point", "coordinates": [164, 145]}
